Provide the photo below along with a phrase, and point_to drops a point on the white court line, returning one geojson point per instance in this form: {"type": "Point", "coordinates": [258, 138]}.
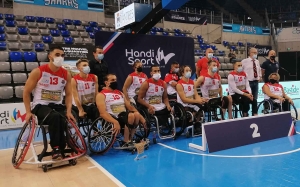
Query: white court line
{"type": "Point", "coordinates": [92, 167]}
{"type": "Point", "coordinates": [109, 175]}
{"type": "Point", "coordinates": [231, 156]}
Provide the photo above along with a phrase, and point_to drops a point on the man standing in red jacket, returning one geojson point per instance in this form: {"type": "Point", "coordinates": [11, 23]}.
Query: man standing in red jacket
{"type": "Point", "coordinates": [202, 64]}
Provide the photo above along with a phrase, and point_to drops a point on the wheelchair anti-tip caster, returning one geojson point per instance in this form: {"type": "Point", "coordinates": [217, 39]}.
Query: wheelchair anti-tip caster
{"type": "Point", "coordinates": [45, 168]}
{"type": "Point", "coordinates": [187, 134]}
{"type": "Point", "coordinates": [73, 162]}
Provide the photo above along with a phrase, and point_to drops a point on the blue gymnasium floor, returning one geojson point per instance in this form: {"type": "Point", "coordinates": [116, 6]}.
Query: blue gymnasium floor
{"type": "Point", "coordinates": [173, 163]}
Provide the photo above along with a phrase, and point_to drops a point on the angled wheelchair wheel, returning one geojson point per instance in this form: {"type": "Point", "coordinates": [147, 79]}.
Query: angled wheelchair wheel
{"type": "Point", "coordinates": [145, 114]}
{"type": "Point", "coordinates": [75, 139]}
{"type": "Point", "coordinates": [265, 107]}
{"type": "Point", "coordinates": [180, 118]}
{"type": "Point", "coordinates": [100, 137]}
{"type": "Point", "coordinates": [23, 143]}
{"type": "Point", "coordinates": [294, 113]}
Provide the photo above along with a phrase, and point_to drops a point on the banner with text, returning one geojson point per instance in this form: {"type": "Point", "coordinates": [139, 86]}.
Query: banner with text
{"type": "Point", "coordinates": [92, 5]}
{"type": "Point", "coordinates": [122, 50]}
{"type": "Point", "coordinates": [262, 50]}
{"type": "Point", "coordinates": [12, 115]}
{"type": "Point", "coordinates": [245, 29]}
{"type": "Point", "coordinates": [288, 34]}
{"type": "Point", "coordinates": [186, 18]}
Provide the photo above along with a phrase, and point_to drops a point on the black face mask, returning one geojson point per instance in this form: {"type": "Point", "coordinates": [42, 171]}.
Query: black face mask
{"type": "Point", "coordinates": [272, 57]}
{"type": "Point", "coordinates": [139, 69]}
{"type": "Point", "coordinates": [273, 81]}
{"type": "Point", "coordinates": [113, 85]}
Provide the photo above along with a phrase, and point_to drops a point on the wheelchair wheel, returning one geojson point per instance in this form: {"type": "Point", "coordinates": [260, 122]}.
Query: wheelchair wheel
{"type": "Point", "coordinates": [265, 107]}
{"type": "Point", "coordinates": [294, 112]}
{"type": "Point", "coordinates": [144, 113]}
{"type": "Point", "coordinates": [75, 139]}
{"type": "Point", "coordinates": [213, 113]}
{"type": "Point", "coordinates": [180, 117]}
{"type": "Point", "coordinates": [236, 112]}
{"type": "Point", "coordinates": [23, 143]}
{"type": "Point", "coordinates": [101, 137]}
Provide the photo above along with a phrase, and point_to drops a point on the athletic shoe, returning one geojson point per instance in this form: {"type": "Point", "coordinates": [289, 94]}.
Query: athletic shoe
{"type": "Point", "coordinates": [56, 154]}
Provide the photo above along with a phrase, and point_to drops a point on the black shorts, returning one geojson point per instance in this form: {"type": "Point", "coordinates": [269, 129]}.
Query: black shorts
{"type": "Point", "coordinates": [123, 118]}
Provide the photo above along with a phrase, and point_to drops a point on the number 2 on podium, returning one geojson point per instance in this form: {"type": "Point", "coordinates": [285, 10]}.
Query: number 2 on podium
{"type": "Point", "coordinates": [255, 134]}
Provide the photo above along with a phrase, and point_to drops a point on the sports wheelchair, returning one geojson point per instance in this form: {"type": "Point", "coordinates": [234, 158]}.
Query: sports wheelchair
{"type": "Point", "coordinates": [101, 137]}
{"type": "Point", "coordinates": [29, 138]}
{"type": "Point", "coordinates": [268, 106]}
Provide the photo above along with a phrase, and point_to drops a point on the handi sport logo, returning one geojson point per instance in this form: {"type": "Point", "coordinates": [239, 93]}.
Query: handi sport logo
{"type": "Point", "coordinates": [17, 115]}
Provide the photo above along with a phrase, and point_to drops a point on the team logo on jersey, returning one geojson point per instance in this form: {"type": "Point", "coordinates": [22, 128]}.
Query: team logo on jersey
{"type": "Point", "coordinates": [63, 81]}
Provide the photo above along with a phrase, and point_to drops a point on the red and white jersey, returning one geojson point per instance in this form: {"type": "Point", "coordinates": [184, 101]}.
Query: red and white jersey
{"type": "Point", "coordinates": [50, 86]}
{"type": "Point", "coordinates": [210, 86]}
{"type": "Point", "coordinates": [86, 88]}
{"type": "Point", "coordinates": [114, 101]}
{"type": "Point", "coordinates": [155, 93]}
{"type": "Point", "coordinates": [137, 80]}
{"type": "Point", "coordinates": [241, 82]}
{"type": "Point", "coordinates": [275, 89]}
{"type": "Point", "coordinates": [169, 78]}
{"type": "Point", "coordinates": [188, 88]}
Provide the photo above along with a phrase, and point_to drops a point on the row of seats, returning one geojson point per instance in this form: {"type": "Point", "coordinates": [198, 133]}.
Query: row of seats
{"type": "Point", "coordinates": [48, 20]}
{"type": "Point", "coordinates": [19, 66]}
{"type": "Point", "coordinates": [218, 53]}
{"type": "Point", "coordinates": [205, 46]}
{"type": "Point", "coordinates": [224, 61]}
{"type": "Point", "coordinates": [28, 56]}
{"type": "Point", "coordinates": [179, 31]}
{"type": "Point", "coordinates": [13, 78]}
{"type": "Point", "coordinates": [9, 94]}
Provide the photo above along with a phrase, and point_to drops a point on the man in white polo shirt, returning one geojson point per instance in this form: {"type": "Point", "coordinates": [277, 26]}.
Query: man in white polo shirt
{"type": "Point", "coordinates": [252, 68]}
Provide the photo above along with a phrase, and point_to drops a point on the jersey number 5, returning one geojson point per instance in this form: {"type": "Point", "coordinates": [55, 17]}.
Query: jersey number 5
{"type": "Point", "coordinates": [53, 80]}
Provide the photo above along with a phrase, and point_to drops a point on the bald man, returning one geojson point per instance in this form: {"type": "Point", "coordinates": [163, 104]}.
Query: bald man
{"type": "Point", "coordinates": [253, 71]}
{"type": "Point", "coordinates": [202, 64]}
{"type": "Point", "coordinates": [269, 66]}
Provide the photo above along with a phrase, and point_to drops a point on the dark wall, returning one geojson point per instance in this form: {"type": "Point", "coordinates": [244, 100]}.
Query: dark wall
{"type": "Point", "coordinates": [290, 64]}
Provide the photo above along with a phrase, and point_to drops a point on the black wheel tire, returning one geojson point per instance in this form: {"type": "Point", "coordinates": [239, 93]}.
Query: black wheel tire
{"type": "Point", "coordinates": [45, 168]}
{"type": "Point", "coordinates": [154, 140]}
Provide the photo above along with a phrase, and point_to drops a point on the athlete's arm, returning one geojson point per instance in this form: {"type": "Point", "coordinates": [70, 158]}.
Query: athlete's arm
{"type": "Point", "coordinates": [199, 81]}
{"type": "Point", "coordinates": [68, 90]}
{"type": "Point", "coordinates": [220, 88]}
{"type": "Point", "coordinates": [29, 87]}
{"type": "Point", "coordinates": [75, 95]}
{"type": "Point", "coordinates": [182, 95]}
{"type": "Point", "coordinates": [165, 96]}
{"type": "Point", "coordinates": [128, 105]}
{"type": "Point", "coordinates": [96, 86]}
{"type": "Point", "coordinates": [142, 93]}
{"type": "Point", "coordinates": [127, 84]}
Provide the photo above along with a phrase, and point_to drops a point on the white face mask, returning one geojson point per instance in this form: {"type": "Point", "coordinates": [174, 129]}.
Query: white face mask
{"type": "Point", "coordinates": [86, 69]}
{"type": "Point", "coordinates": [254, 56]}
{"type": "Point", "coordinates": [58, 61]}
{"type": "Point", "coordinates": [176, 70]}
{"type": "Point", "coordinates": [210, 55]}
{"type": "Point", "coordinates": [156, 76]}
{"type": "Point", "coordinates": [187, 75]}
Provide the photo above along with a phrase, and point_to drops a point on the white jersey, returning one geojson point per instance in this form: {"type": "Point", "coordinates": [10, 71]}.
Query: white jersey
{"type": "Point", "coordinates": [86, 89]}
{"type": "Point", "coordinates": [275, 89]}
{"type": "Point", "coordinates": [239, 84]}
{"type": "Point", "coordinates": [137, 81]}
{"type": "Point", "coordinates": [50, 86]}
{"type": "Point", "coordinates": [114, 101]}
{"type": "Point", "coordinates": [210, 86]}
{"type": "Point", "coordinates": [188, 88]}
{"type": "Point", "coordinates": [155, 93]}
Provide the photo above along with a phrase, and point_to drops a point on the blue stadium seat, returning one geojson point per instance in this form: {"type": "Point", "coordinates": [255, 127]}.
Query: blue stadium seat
{"type": "Point", "coordinates": [68, 40]}
{"type": "Point", "coordinates": [93, 24]}
{"type": "Point", "coordinates": [200, 41]}
{"type": "Point", "coordinates": [225, 43]}
{"type": "Point", "coordinates": [2, 37]}
{"type": "Point", "coordinates": [92, 35]}
{"type": "Point", "coordinates": [39, 47]}
{"type": "Point", "coordinates": [1, 16]}
{"type": "Point", "coordinates": [30, 56]}
{"type": "Point", "coordinates": [67, 21]}
{"type": "Point", "coordinates": [54, 32]}
{"type": "Point", "coordinates": [197, 52]}
{"type": "Point", "coordinates": [50, 20]}
{"type": "Point", "coordinates": [2, 46]}
{"type": "Point", "coordinates": [177, 31]}
{"type": "Point", "coordinates": [2, 29]}
{"type": "Point", "coordinates": [40, 19]}
{"type": "Point", "coordinates": [177, 34]}
{"type": "Point", "coordinates": [9, 17]}
{"type": "Point", "coordinates": [199, 37]}
{"type": "Point", "coordinates": [30, 18]}
{"type": "Point", "coordinates": [47, 39]}
{"type": "Point", "coordinates": [233, 47]}
{"type": "Point", "coordinates": [203, 47]}
{"type": "Point", "coordinates": [16, 56]}
{"type": "Point", "coordinates": [77, 22]}
{"type": "Point", "coordinates": [88, 29]}
{"type": "Point", "coordinates": [96, 29]}
{"type": "Point", "coordinates": [61, 26]}
{"type": "Point", "coordinates": [213, 47]}
{"type": "Point", "coordinates": [153, 29]}
{"type": "Point", "coordinates": [222, 53]}
{"type": "Point", "coordinates": [240, 44]}
{"type": "Point", "coordinates": [23, 30]}
{"type": "Point", "coordinates": [165, 33]}
{"type": "Point", "coordinates": [65, 33]}
{"type": "Point", "coordinates": [153, 33]}
{"type": "Point", "coordinates": [249, 44]}
{"type": "Point", "coordinates": [10, 23]}
{"type": "Point", "coordinates": [159, 29]}
{"type": "Point", "coordinates": [183, 35]}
